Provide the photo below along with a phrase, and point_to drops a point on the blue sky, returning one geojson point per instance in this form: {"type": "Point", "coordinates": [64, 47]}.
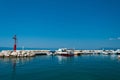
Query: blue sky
{"type": "Point", "coordinates": [80, 24]}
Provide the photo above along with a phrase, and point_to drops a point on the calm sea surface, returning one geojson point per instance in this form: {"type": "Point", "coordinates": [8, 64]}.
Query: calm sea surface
{"type": "Point", "coordinates": [85, 67]}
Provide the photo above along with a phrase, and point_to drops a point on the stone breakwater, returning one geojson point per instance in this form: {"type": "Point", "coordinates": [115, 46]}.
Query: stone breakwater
{"type": "Point", "coordinates": [23, 53]}
{"type": "Point", "coordinates": [8, 53]}
{"type": "Point", "coordinates": [32, 53]}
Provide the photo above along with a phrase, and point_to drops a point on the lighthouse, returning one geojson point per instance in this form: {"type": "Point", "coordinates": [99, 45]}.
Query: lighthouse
{"type": "Point", "coordinates": [15, 40]}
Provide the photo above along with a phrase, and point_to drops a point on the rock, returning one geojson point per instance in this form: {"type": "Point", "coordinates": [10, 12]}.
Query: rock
{"type": "Point", "coordinates": [14, 54]}
{"type": "Point", "coordinates": [1, 55]}
{"type": "Point", "coordinates": [6, 53]}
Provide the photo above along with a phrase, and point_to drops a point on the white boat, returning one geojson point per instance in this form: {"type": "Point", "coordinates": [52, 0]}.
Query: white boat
{"type": "Point", "coordinates": [65, 52]}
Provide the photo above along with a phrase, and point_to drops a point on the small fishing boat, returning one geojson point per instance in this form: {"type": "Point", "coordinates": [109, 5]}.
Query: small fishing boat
{"type": "Point", "coordinates": [65, 52]}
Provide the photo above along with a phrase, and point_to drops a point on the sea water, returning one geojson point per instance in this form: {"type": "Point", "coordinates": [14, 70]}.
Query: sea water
{"type": "Point", "coordinates": [85, 67]}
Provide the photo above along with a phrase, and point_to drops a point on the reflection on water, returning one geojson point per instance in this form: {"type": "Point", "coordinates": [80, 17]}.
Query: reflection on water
{"type": "Point", "coordinates": [14, 69]}
{"type": "Point", "coordinates": [14, 62]}
{"type": "Point", "coordinates": [63, 59]}
{"type": "Point", "coordinates": [85, 67]}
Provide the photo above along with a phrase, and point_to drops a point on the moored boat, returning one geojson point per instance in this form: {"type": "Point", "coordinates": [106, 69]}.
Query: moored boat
{"type": "Point", "coordinates": [65, 52]}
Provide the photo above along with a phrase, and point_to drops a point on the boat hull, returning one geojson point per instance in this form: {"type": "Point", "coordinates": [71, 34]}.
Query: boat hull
{"type": "Point", "coordinates": [67, 55]}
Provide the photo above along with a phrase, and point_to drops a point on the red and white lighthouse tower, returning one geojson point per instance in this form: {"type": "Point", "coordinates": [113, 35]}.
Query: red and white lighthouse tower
{"type": "Point", "coordinates": [15, 45]}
